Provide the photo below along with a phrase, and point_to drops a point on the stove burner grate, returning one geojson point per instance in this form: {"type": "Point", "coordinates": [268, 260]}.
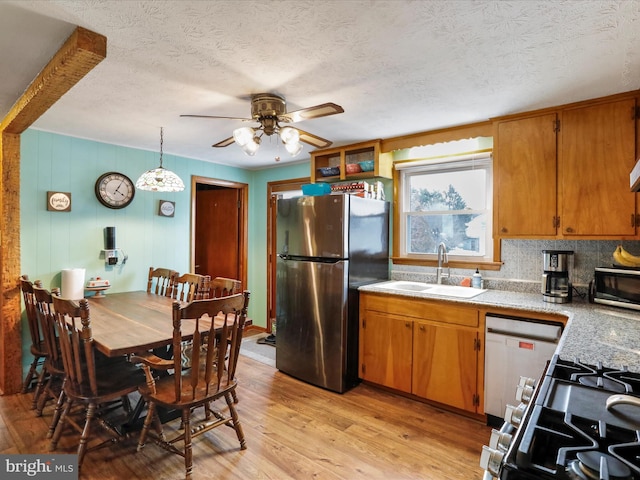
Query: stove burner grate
{"type": "Point", "coordinates": [593, 465]}
{"type": "Point", "coordinates": [598, 376]}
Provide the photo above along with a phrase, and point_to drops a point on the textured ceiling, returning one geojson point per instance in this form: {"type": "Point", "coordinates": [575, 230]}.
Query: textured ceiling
{"type": "Point", "coordinates": [396, 67]}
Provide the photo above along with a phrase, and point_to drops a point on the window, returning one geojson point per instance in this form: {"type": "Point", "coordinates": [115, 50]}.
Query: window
{"type": "Point", "coordinates": [449, 201]}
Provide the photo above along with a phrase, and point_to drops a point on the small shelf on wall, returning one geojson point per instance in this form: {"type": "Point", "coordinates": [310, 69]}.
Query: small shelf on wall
{"type": "Point", "coordinates": [347, 162]}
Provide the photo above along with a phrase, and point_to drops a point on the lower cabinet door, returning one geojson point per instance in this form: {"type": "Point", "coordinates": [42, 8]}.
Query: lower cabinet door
{"type": "Point", "coordinates": [445, 364]}
{"type": "Point", "coordinates": [386, 355]}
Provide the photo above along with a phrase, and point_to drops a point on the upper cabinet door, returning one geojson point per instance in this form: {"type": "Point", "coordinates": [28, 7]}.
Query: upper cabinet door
{"type": "Point", "coordinates": [525, 175]}
{"type": "Point", "coordinates": [596, 155]}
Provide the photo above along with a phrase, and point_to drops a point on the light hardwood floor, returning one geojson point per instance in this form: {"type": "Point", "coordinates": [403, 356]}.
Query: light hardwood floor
{"type": "Point", "coordinates": [293, 431]}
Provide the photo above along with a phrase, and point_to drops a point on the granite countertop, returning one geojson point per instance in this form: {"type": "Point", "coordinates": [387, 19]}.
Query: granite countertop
{"type": "Point", "coordinates": [594, 332]}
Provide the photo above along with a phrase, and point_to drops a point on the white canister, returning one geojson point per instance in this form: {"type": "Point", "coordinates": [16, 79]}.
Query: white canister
{"type": "Point", "coordinates": [73, 283]}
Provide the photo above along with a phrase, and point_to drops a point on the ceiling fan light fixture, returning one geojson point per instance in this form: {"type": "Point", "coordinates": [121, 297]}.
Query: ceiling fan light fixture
{"type": "Point", "coordinates": [293, 148]}
{"type": "Point", "coordinates": [247, 139]}
{"type": "Point", "coordinates": [289, 135]}
{"type": "Point", "coordinates": [250, 148]}
{"type": "Point", "coordinates": [160, 179]}
{"type": "Point", "coordinates": [243, 135]}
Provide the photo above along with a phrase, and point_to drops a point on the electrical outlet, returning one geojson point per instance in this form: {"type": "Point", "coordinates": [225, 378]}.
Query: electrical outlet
{"type": "Point", "coordinates": [111, 257]}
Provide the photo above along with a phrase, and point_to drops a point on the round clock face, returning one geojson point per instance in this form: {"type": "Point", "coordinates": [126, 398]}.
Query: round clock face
{"type": "Point", "coordinates": [115, 190]}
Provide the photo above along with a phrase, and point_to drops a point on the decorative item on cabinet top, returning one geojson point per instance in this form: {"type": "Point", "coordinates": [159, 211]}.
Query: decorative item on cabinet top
{"type": "Point", "coordinates": [59, 201]}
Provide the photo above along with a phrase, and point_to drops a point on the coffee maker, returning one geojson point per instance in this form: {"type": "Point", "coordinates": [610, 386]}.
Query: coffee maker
{"type": "Point", "coordinates": [556, 279]}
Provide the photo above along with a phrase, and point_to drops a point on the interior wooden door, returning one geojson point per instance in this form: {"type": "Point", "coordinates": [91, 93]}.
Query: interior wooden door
{"type": "Point", "coordinates": [217, 232]}
{"type": "Point", "coordinates": [276, 190]}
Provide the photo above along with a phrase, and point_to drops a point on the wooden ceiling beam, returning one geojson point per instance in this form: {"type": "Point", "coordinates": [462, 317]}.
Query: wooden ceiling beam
{"type": "Point", "coordinates": [82, 51]}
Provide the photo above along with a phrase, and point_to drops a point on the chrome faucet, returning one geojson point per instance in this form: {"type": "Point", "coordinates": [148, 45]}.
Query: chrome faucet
{"type": "Point", "coordinates": [442, 258]}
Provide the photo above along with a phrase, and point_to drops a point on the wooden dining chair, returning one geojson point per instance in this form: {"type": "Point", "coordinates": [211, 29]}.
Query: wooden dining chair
{"type": "Point", "coordinates": [37, 370]}
{"type": "Point", "coordinates": [91, 383]}
{"type": "Point", "coordinates": [191, 286]}
{"type": "Point", "coordinates": [211, 376]}
{"type": "Point", "coordinates": [161, 281]}
{"type": "Point", "coordinates": [54, 385]}
{"type": "Point", "coordinates": [222, 286]}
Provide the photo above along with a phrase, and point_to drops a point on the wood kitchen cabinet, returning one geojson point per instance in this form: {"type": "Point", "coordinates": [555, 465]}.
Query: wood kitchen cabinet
{"type": "Point", "coordinates": [340, 157]}
{"type": "Point", "coordinates": [565, 173]}
{"type": "Point", "coordinates": [423, 347]}
{"type": "Point", "coordinates": [596, 155]}
{"type": "Point", "coordinates": [387, 346]}
{"type": "Point", "coordinates": [445, 364]}
{"type": "Point", "coordinates": [525, 177]}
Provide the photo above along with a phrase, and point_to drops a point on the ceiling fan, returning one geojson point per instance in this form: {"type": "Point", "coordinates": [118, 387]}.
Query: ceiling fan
{"type": "Point", "coordinates": [269, 110]}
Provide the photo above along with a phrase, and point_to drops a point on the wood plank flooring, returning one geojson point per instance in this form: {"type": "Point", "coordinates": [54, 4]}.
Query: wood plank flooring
{"type": "Point", "coordinates": [293, 431]}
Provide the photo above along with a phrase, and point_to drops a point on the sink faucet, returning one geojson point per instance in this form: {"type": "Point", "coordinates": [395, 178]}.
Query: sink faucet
{"type": "Point", "coordinates": [442, 258]}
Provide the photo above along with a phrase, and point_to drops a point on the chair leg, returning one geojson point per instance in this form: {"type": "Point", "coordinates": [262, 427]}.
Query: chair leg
{"type": "Point", "coordinates": [236, 421]}
{"type": "Point", "coordinates": [39, 387]}
{"type": "Point", "coordinates": [188, 451]}
{"type": "Point", "coordinates": [43, 395]}
{"type": "Point", "coordinates": [60, 426]}
{"type": "Point", "coordinates": [57, 412]}
{"type": "Point", "coordinates": [31, 374]}
{"type": "Point", "coordinates": [151, 412]}
{"type": "Point", "coordinates": [86, 431]}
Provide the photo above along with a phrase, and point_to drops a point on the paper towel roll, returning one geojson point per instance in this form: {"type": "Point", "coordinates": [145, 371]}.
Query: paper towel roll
{"type": "Point", "coordinates": [73, 283]}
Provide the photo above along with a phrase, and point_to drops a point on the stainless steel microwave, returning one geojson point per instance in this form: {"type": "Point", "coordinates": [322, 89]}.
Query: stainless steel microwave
{"type": "Point", "coordinates": [616, 286]}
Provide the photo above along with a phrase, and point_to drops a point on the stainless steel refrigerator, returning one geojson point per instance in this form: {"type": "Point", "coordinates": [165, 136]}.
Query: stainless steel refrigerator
{"type": "Point", "coordinates": [328, 246]}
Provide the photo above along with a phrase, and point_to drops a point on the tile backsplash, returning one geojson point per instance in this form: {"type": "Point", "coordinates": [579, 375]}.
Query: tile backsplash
{"type": "Point", "coordinates": [522, 264]}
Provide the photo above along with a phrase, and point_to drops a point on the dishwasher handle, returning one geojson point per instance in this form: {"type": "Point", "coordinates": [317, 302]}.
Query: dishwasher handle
{"type": "Point", "coordinates": [535, 338]}
{"type": "Point", "coordinates": [523, 328]}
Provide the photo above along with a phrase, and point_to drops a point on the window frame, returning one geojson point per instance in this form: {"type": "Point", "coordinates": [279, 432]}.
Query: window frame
{"type": "Point", "coordinates": [480, 159]}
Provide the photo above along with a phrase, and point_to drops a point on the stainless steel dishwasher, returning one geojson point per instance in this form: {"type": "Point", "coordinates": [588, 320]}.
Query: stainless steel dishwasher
{"type": "Point", "coordinates": [514, 347]}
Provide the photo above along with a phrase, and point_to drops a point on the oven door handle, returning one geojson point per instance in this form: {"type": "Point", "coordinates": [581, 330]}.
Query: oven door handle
{"type": "Point", "coordinates": [621, 399]}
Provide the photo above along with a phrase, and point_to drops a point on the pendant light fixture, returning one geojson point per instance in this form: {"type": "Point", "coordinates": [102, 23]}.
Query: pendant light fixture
{"type": "Point", "coordinates": [160, 179]}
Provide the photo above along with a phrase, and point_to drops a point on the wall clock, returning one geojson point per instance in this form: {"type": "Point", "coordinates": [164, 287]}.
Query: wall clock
{"type": "Point", "coordinates": [166, 208]}
{"type": "Point", "coordinates": [115, 190]}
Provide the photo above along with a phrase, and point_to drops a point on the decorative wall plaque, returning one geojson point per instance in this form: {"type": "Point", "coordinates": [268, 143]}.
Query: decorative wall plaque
{"type": "Point", "coordinates": [166, 208]}
{"type": "Point", "coordinates": [59, 201]}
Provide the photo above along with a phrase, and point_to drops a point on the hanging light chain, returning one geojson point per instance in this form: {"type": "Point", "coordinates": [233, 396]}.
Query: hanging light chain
{"type": "Point", "coordinates": [161, 147]}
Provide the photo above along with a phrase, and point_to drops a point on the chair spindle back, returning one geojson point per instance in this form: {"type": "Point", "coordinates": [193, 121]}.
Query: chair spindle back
{"type": "Point", "coordinates": [161, 281]}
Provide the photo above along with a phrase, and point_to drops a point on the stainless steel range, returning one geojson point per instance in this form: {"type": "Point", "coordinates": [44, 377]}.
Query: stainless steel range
{"type": "Point", "coordinates": [581, 423]}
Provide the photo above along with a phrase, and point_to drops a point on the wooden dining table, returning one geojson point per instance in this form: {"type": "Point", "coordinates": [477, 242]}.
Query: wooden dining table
{"type": "Point", "coordinates": [135, 322]}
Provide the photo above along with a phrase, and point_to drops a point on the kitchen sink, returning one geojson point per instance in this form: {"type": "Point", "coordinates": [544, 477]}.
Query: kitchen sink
{"type": "Point", "coordinates": [410, 286]}
{"type": "Point", "coordinates": [432, 289]}
{"type": "Point", "coordinates": [455, 291]}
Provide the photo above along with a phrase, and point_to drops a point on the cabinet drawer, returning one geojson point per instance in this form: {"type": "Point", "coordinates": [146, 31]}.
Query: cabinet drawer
{"type": "Point", "coordinates": [419, 308]}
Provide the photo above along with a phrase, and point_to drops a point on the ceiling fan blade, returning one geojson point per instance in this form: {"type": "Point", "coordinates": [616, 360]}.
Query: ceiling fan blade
{"type": "Point", "coordinates": [212, 116]}
{"type": "Point", "coordinates": [224, 143]}
{"type": "Point", "coordinates": [312, 112]}
{"type": "Point", "coordinates": [313, 140]}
